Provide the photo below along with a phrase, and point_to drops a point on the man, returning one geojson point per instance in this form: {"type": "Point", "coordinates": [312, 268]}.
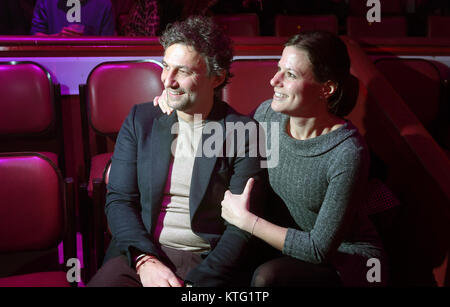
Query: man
{"type": "Point", "coordinates": [73, 18]}
{"type": "Point", "coordinates": [165, 187]}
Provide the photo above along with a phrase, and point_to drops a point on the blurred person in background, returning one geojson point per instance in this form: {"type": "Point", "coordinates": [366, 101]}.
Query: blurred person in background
{"type": "Point", "coordinates": [73, 18]}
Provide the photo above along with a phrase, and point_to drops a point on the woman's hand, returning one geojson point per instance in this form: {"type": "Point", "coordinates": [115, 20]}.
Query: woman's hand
{"type": "Point", "coordinates": [161, 101]}
{"type": "Point", "coordinates": [235, 208]}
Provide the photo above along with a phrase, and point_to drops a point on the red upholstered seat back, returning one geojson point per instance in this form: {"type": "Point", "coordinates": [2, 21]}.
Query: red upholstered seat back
{"type": "Point", "coordinates": [114, 87]}
{"type": "Point", "coordinates": [26, 99]}
{"type": "Point", "coordinates": [31, 208]}
{"type": "Point", "coordinates": [438, 26]}
{"type": "Point", "coordinates": [288, 25]}
{"type": "Point", "coordinates": [417, 81]}
{"type": "Point", "coordinates": [30, 111]}
{"type": "Point", "coordinates": [392, 26]}
{"type": "Point", "coordinates": [239, 24]}
{"type": "Point", "coordinates": [250, 85]}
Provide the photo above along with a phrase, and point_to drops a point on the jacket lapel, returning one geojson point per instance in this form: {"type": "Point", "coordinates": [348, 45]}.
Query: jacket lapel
{"type": "Point", "coordinates": [161, 141]}
{"type": "Point", "coordinates": [205, 161]}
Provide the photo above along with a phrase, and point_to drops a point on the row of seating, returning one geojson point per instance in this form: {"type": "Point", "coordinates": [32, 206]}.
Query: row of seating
{"type": "Point", "coordinates": [37, 204]}
{"type": "Point", "coordinates": [37, 213]}
{"type": "Point", "coordinates": [356, 26]}
{"type": "Point", "coordinates": [106, 98]}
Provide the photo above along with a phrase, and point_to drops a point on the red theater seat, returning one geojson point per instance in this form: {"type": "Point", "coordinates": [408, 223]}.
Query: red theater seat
{"type": "Point", "coordinates": [438, 26]}
{"type": "Point", "coordinates": [239, 24]}
{"type": "Point", "coordinates": [419, 83]}
{"type": "Point", "coordinates": [250, 85]}
{"type": "Point", "coordinates": [36, 213]}
{"type": "Point", "coordinates": [288, 25]}
{"type": "Point", "coordinates": [111, 90]}
{"type": "Point", "coordinates": [44, 279]}
{"type": "Point", "coordinates": [417, 171]}
{"type": "Point", "coordinates": [30, 111]}
{"type": "Point", "coordinates": [392, 26]}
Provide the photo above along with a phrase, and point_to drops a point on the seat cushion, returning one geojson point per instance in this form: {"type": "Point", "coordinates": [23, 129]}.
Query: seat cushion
{"type": "Point", "coordinates": [41, 279]}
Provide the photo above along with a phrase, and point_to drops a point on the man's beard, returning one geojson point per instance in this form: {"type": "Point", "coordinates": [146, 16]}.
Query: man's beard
{"type": "Point", "coordinates": [181, 104]}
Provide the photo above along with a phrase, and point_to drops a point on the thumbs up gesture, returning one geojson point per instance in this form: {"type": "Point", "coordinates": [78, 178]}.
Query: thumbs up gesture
{"type": "Point", "coordinates": [235, 208]}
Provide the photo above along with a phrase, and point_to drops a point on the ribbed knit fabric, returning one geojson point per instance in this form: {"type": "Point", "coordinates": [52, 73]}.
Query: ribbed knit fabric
{"type": "Point", "coordinates": [323, 182]}
{"type": "Point", "coordinates": [173, 228]}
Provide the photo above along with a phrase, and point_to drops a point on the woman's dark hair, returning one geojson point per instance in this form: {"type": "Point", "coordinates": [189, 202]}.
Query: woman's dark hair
{"type": "Point", "coordinates": [330, 61]}
{"type": "Point", "coordinates": [208, 39]}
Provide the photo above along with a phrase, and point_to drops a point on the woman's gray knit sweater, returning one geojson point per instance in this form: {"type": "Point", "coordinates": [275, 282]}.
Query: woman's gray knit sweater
{"type": "Point", "coordinates": [323, 183]}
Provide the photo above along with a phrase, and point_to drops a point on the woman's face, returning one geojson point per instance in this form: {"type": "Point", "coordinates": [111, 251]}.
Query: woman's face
{"type": "Point", "coordinates": [296, 92]}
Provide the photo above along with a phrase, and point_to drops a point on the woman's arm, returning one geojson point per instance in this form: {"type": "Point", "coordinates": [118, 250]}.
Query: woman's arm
{"type": "Point", "coordinates": [235, 210]}
{"type": "Point", "coordinates": [342, 199]}
{"type": "Point", "coordinates": [272, 234]}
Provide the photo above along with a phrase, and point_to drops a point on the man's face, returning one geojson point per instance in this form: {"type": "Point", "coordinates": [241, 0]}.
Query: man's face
{"type": "Point", "coordinates": [188, 86]}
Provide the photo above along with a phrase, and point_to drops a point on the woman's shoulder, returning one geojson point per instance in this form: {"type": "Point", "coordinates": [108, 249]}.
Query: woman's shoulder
{"type": "Point", "coordinates": [355, 140]}
{"type": "Point", "coordinates": [264, 111]}
{"type": "Point", "coordinates": [353, 149]}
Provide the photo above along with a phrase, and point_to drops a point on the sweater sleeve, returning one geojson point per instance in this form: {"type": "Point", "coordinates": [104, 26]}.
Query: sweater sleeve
{"type": "Point", "coordinates": [347, 177]}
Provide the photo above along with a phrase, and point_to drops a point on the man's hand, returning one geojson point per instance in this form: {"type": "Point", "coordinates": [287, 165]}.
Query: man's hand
{"type": "Point", "coordinates": [235, 208]}
{"type": "Point", "coordinates": [161, 101]}
{"type": "Point", "coordinates": [154, 273]}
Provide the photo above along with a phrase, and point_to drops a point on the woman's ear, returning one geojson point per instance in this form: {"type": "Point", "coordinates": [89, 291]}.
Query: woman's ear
{"type": "Point", "coordinates": [329, 88]}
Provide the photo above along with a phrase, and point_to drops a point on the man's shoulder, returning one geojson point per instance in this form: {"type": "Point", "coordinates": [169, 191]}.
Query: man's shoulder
{"type": "Point", "coordinates": [233, 116]}
{"type": "Point", "coordinates": [146, 112]}
{"type": "Point", "coordinates": [147, 108]}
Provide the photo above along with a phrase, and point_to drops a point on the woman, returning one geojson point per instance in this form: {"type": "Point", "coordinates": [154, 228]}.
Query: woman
{"type": "Point", "coordinates": [321, 176]}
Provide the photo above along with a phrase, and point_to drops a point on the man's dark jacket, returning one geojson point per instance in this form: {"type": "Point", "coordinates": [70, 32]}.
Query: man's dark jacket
{"type": "Point", "coordinates": [137, 179]}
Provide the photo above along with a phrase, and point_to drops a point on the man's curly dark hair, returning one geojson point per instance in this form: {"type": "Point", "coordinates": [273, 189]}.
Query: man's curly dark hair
{"type": "Point", "coordinates": [208, 39]}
